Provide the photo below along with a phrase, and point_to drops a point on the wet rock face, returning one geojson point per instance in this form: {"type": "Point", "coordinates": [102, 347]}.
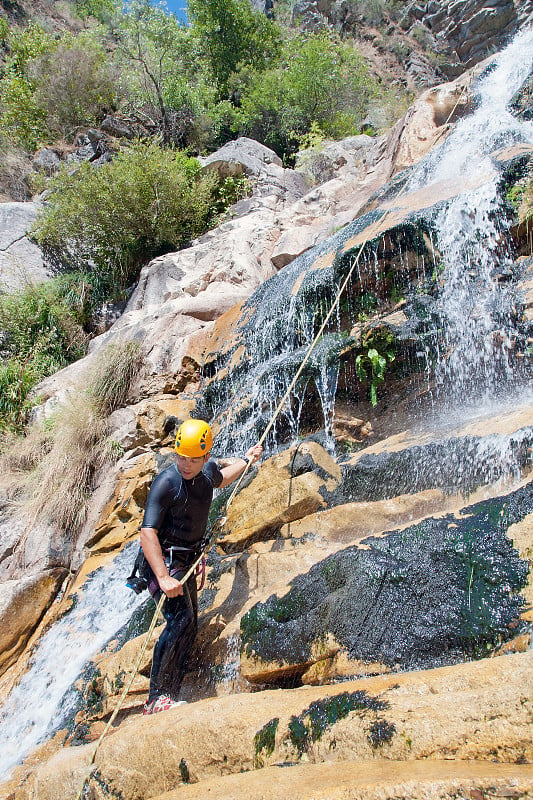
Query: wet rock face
{"type": "Point", "coordinates": [285, 313]}
{"type": "Point", "coordinates": [432, 593]}
{"type": "Point", "coordinates": [451, 464]}
{"type": "Point", "coordinates": [522, 103]}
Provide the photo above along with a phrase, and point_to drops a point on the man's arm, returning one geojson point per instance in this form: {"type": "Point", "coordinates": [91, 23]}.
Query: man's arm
{"type": "Point", "coordinates": [154, 555]}
{"type": "Point", "coordinates": [236, 466]}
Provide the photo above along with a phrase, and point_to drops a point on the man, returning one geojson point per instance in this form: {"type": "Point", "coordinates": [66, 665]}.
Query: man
{"type": "Point", "coordinates": [174, 524]}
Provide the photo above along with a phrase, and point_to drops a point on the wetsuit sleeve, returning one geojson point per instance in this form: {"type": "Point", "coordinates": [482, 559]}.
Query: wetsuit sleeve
{"type": "Point", "coordinates": [212, 470]}
{"type": "Point", "coordinates": [159, 499]}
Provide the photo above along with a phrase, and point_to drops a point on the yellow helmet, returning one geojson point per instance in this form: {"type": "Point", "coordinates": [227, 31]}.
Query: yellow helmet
{"type": "Point", "coordinates": [194, 438]}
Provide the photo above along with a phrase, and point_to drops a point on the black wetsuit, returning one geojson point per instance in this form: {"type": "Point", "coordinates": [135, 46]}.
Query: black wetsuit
{"type": "Point", "coordinates": [178, 509]}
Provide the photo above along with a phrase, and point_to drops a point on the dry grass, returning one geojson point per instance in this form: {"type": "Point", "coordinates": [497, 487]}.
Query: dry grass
{"type": "Point", "coordinates": [64, 456]}
{"type": "Point", "coordinates": [15, 175]}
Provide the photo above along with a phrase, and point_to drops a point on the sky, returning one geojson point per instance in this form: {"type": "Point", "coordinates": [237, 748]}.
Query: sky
{"type": "Point", "coordinates": [178, 7]}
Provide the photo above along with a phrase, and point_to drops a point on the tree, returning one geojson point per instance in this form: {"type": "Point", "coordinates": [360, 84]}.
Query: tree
{"type": "Point", "coordinates": [74, 85]}
{"type": "Point", "coordinates": [322, 83]}
{"type": "Point", "coordinates": [157, 46]}
{"type": "Point", "coordinates": [231, 35]}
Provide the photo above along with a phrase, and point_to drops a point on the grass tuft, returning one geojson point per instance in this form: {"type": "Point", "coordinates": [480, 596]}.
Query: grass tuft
{"type": "Point", "coordinates": [65, 454]}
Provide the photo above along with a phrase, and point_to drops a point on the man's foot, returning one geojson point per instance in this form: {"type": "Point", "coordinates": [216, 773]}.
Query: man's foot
{"type": "Point", "coordinates": [162, 703]}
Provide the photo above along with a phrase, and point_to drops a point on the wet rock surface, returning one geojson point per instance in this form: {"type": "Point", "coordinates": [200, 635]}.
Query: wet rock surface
{"type": "Point", "coordinates": [442, 590]}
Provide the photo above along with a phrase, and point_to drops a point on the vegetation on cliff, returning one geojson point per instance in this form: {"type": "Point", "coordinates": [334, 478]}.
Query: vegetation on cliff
{"type": "Point", "coordinates": [183, 90]}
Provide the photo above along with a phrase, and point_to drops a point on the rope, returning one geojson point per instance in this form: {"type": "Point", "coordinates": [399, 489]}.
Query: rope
{"type": "Point", "coordinates": [264, 435]}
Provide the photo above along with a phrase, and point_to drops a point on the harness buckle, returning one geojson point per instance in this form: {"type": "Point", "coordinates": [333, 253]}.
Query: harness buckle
{"type": "Point", "coordinates": [169, 556]}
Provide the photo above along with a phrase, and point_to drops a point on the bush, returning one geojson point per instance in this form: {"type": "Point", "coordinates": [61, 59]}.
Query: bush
{"type": "Point", "coordinates": [50, 86]}
{"type": "Point", "coordinates": [41, 331]}
{"type": "Point", "coordinates": [16, 382]}
{"type": "Point", "coordinates": [322, 81]}
{"type": "Point", "coordinates": [101, 10]}
{"type": "Point", "coordinates": [22, 119]}
{"type": "Point", "coordinates": [73, 86]}
{"type": "Point", "coordinates": [110, 221]}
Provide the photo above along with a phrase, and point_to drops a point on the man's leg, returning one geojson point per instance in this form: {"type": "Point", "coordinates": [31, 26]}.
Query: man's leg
{"type": "Point", "coordinates": [173, 647]}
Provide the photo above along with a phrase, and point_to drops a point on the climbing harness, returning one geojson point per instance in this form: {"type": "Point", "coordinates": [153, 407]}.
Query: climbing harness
{"type": "Point", "coordinates": [198, 567]}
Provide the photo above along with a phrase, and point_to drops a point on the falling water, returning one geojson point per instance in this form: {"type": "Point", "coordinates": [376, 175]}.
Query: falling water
{"type": "Point", "coordinates": [45, 698]}
{"type": "Point", "coordinates": [476, 304]}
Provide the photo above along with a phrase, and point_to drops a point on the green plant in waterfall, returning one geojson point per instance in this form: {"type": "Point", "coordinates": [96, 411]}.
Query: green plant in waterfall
{"type": "Point", "coordinates": [371, 364]}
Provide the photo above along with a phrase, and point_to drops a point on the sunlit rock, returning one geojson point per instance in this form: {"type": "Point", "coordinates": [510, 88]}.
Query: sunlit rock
{"type": "Point", "coordinates": [287, 487]}
{"type": "Point", "coordinates": [120, 519]}
{"type": "Point", "coordinates": [371, 780]}
{"type": "Point", "coordinates": [477, 710]}
{"type": "Point", "coordinates": [23, 603]}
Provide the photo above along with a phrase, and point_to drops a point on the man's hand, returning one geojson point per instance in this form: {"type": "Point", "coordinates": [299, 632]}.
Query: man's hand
{"type": "Point", "coordinates": [170, 586]}
{"type": "Point", "coordinates": [235, 467]}
{"type": "Point", "coordinates": [254, 453]}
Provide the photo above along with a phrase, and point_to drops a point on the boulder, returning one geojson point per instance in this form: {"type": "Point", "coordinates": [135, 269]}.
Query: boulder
{"type": "Point", "coordinates": [46, 160]}
{"type": "Point", "coordinates": [366, 780]}
{"type": "Point", "coordinates": [293, 243]}
{"type": "Point", "coordinates": [477, 711]}
{"type": "Point", "coordinates": [247, 157]}
{"type": "Point", "coordinates": [362, 599]}
{"type": "Point", "coordinates": [116, 127]}
{"type": "Point", "coordinates": [23, 603]}
{"type": "Point", "coordinates": [21, 261]}
{"type": "Point", "coordinates": [287, 487]}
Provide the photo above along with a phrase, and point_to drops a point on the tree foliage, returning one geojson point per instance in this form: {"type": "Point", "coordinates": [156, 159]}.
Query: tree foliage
{"type": "Point", "coordinates": [21, 117]}
{"type": "Point", "coordinates": [111, 221]}
{"type": "Point", "coordinates": [153, 53]}
{"type": "Point", "coordinates": [74, 85]}
{"type": "Point", "coordinates": [231, 35]}
{"type": "Point", "coordinates": [322, 83]}
{"type": "Point", "coordinates": [49, 86]}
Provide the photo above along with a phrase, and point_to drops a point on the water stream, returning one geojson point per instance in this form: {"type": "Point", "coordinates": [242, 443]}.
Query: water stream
{"type": "Point", "coordinates": [470, 356]}
{"type": "Point", "coordinates": [477, 301]}
{"type": "Point", "coordinates": [45, 698]}
{"type": "Point", "coordinates": [478, 323]}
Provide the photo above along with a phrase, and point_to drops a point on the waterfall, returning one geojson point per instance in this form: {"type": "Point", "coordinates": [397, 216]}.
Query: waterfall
{"type": "Point", "coordinates": [477, 303]}
{"type": "Point", "coordinates": [470, 354]}
{"type": "Point", "coordinates": [45, 697]}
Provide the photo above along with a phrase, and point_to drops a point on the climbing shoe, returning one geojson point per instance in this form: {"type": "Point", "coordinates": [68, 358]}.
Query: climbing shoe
{"type": "Point", "coordinates": [162, 703]}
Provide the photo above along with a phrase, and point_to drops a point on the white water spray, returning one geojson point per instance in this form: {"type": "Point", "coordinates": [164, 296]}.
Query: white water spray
{"type": "Point", "coordinates": [475, 303]}
{"type": "Point", "coordinates": [43, 700]}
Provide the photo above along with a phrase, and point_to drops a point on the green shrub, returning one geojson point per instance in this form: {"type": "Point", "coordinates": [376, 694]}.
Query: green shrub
{"type": "Point", "coordinates": [112, 220]}
{"type": "Point", "coordinates": [22, 119]}
{"type": "Point", "coordinates": [73, 85]}
{"type": "Point", "coordinates": [50, 86]}
{"type": "Point", "coordinates": [101, 10]}
{"type": "Point", "coordinates": [41, 331]}
{"type": "Point", "coordinates": [16, 382]}
{"type": "Point", "coordinates": [323, 82]}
